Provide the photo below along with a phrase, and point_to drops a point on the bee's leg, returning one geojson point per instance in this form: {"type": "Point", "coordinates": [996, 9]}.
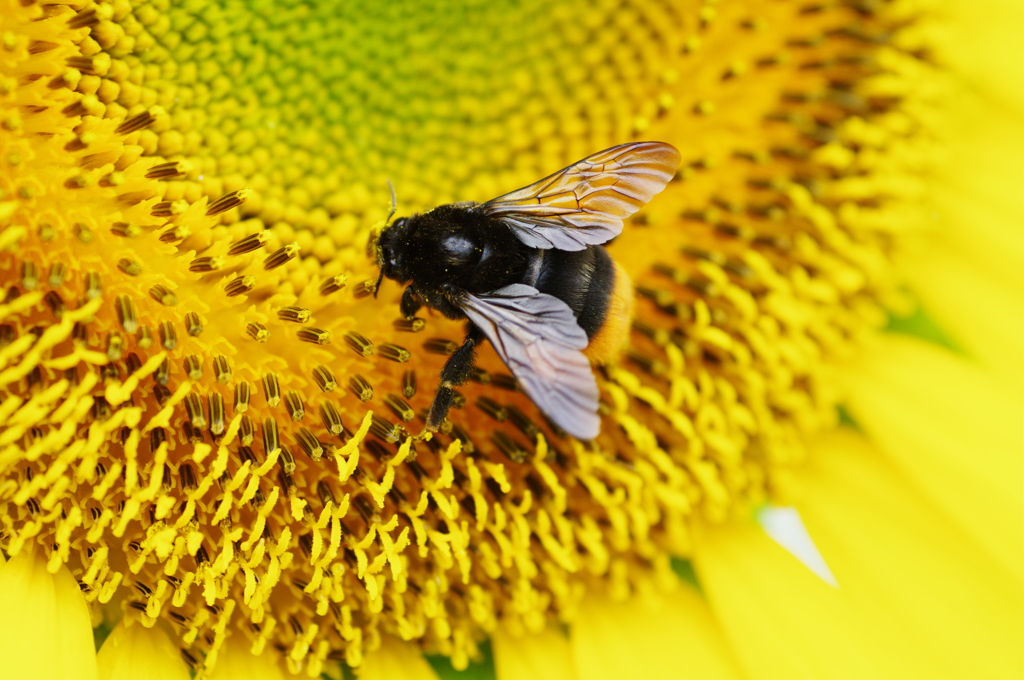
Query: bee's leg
{"type": "Point", "coordinates": [455, 372]}
{"type": "Point", "coordinates": [409, 304]}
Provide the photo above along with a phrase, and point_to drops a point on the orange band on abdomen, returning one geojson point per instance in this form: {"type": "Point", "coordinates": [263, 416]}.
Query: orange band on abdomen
{"type": "Point", "coordinates": [606, 345]}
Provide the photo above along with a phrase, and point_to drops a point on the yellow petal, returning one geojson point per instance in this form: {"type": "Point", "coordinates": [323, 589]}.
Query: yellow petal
{"type": "Point", "coordinates": [905, 568]}
{"type": "Point", "coordinates": [543, 656]}
{"type": "Point", "coordinates": [782, 620]}
{"type": "Point", "coordinates": [45, 630]}
{"type": "Point", "coordinates": [971, 277]}
{"type": "Point", "coordinates": [133, 652]}
{"type": "Point", "coordinates": [669, 637]}
{"type": "Point", "coordinates": [396, 660]}
{"type": "Point", "coordinates": [974, 194]}
{"type": "Point", "coordinates": [954, 430]}
{"type": "Point", "coordinates": [984, 46]}
{"type": "Point", "coordinates": [968, 302]}
{"type": "Point", "coordinates": [236, 662]}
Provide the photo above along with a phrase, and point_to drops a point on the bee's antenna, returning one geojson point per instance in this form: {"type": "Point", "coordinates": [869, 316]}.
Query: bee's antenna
{"type": "Point", "coordinates": [380, 253]}
{"type": "Point", "coordinates": [394, 203]}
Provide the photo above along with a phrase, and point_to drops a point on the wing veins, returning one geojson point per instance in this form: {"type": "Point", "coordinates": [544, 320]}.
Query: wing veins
{"type": "Point", "coordinates": [643, 171]}
{"type": "Point", "coordinates": [537, 337]}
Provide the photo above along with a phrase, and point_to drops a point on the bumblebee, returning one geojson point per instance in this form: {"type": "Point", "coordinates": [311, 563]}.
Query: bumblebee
{"type": "Point", "coordinates": [528, 272]}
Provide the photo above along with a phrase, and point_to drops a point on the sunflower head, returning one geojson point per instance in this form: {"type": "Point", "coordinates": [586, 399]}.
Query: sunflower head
{"type": "Point", "coordinates": [211, 406]}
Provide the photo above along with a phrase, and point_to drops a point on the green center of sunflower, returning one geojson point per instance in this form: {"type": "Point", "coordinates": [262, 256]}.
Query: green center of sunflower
{"type": "Point", "coordinates": [206, 415]}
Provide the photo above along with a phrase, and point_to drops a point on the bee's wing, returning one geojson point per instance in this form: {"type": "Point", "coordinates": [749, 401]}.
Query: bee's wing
{"type": "Point", "coordinates": [585, 203]}
{"type": "Point", "coordinates": [537, 337]}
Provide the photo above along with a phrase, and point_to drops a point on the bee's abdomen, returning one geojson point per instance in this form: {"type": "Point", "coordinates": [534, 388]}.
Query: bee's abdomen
{"type": "Point", "coordinates": [585, 280]}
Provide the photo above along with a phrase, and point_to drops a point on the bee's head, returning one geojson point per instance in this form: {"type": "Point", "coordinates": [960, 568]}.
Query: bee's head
{"type": "Point", "coordinates": [389, 244]}
{"type": "Point", "coordinates": [392, 242]}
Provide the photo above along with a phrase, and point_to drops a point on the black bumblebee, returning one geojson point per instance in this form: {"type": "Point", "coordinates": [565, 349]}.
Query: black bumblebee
{"type": "Point", "coordinates": [528, 272]}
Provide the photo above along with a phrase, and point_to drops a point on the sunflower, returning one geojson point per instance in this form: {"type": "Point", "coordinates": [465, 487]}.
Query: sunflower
{"type": "Point", "coordinates": [810, 456]}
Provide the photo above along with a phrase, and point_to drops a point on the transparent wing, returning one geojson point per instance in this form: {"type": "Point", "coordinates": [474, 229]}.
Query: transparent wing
{"type": "Point", "coordinates": [585, 203]}
{"type": "Point", "coordinates": [537, 337]}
